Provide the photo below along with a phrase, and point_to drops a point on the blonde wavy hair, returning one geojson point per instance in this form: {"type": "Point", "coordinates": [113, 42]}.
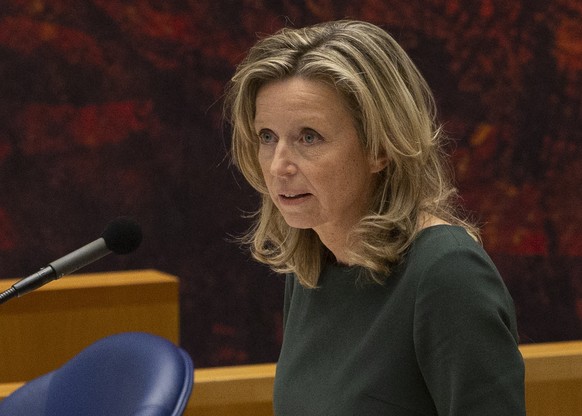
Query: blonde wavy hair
{"type": "Point", "coordinates": [395, 115]}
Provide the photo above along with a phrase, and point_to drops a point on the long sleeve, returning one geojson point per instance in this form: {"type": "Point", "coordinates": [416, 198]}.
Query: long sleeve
{"type": "Point", "coordinates": [466, 339]}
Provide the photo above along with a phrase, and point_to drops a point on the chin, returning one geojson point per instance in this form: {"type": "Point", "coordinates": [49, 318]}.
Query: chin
{"type": "Point", "coordinates": [301, 224]}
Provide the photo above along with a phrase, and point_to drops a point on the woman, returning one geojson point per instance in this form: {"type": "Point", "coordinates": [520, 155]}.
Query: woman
{"type": "Point", "coordinates": [392, 307]}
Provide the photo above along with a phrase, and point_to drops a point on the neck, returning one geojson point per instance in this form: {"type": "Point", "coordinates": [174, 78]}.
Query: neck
{"type": "Point", "coordinates": [428, 220]}
{"type": "Point", "coordinates": [336, 242]}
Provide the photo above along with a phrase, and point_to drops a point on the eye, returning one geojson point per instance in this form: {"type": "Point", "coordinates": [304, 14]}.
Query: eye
{"type": "Point", "coordinates": [310, 137]}
{"type": "Point", "coordinates": [266, 136]}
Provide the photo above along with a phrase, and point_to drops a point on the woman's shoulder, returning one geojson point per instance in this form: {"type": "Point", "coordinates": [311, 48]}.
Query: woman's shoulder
{"type": "Point", "coordinates": [447, 256]}
{"type": "Point", "coordinates": [434, 230]}
{"type": "Point", "coordinates": [448, 248]}
{"type": "Point", "coordinates": [445, 237]}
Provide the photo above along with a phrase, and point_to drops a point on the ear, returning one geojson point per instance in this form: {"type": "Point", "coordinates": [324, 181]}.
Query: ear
{"type": "Point", "coordinates": [379, 163]}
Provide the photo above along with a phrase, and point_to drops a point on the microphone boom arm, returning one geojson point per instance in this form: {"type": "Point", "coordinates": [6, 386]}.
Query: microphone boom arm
{"type": "Point", "coordinates": [121, 236]}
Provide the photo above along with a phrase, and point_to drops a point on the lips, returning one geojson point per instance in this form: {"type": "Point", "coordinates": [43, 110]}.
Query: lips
{"type": "Point", "coordinates": [291, 199]}
{"type": "Point", "coordinates": [293, 196]}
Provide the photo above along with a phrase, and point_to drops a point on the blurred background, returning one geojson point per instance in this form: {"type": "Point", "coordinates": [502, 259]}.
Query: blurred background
{"type": "Point", "coordinates": [112, 108]}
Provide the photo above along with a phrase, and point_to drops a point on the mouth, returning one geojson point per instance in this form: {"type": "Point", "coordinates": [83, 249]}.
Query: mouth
{"type": "Point", "coordinates": [293, 197]}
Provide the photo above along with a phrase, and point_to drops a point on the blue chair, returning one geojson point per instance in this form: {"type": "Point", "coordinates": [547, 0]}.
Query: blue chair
{"type": "Point", "coordinates": [129, 374]}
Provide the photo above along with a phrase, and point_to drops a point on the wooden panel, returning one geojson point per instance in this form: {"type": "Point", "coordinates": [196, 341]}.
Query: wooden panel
{"type": "Point", "coordinates": [45, 328]}
{"type": "Point", "coordinates": [238, 390]}
{"type": "Point", "coordinates": [553, 378]}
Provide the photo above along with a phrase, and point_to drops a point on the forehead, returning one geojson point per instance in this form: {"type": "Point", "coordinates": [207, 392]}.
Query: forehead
{"type": "Point", "coordinates": [296, 96]}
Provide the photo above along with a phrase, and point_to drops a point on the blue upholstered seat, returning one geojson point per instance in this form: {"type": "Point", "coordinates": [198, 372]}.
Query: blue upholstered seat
{"type": "Point", "coordinates": [129, 374]}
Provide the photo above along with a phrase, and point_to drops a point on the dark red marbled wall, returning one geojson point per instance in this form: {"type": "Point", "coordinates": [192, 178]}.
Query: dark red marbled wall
{"type": "Point", "coordinates": [113, 108]}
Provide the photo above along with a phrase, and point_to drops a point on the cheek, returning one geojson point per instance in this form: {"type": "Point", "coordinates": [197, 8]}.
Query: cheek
{"type": "Point", "coordinates": [339, 177]}
{"type": "Point", "coordinates": [356, 181]}
{"type": "Point", "coordinates": [264, 164]}
{"type": "Point", "coordinates": [263, 173]}
{"type": "Point", "coordinates": [267, 179]}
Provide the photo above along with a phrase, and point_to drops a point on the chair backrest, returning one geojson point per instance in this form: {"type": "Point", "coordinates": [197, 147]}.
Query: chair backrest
{"type": "Point", "coordinates": [129, 374]}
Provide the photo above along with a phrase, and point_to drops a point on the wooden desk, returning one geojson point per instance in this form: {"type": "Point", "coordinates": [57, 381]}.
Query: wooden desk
{"type": "Point", "coordinates": [553, 378]}
{"type": "Point", "coordinates": [45, 328]}
{"type": "Point", "coordinates": [240, 390]}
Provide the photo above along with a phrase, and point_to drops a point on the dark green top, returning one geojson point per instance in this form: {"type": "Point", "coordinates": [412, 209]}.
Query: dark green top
{"type": "Point", "coordinates": [439, 338]}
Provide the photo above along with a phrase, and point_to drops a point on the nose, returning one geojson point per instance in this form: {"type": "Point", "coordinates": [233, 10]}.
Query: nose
{"type": "Point", "coordinates": [283, 160]}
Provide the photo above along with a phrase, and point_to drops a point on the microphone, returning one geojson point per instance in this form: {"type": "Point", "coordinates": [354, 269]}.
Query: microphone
{"type": "Point", "coordinates": [121, 236]}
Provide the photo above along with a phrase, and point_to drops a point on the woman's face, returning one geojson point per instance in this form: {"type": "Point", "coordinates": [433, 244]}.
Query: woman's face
{"type": "Point", "coordinates": [313, 163]}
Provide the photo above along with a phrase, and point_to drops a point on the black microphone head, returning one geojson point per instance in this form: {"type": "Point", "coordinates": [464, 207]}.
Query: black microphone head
{"type": "Point", "coordinates": [122, 235]}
